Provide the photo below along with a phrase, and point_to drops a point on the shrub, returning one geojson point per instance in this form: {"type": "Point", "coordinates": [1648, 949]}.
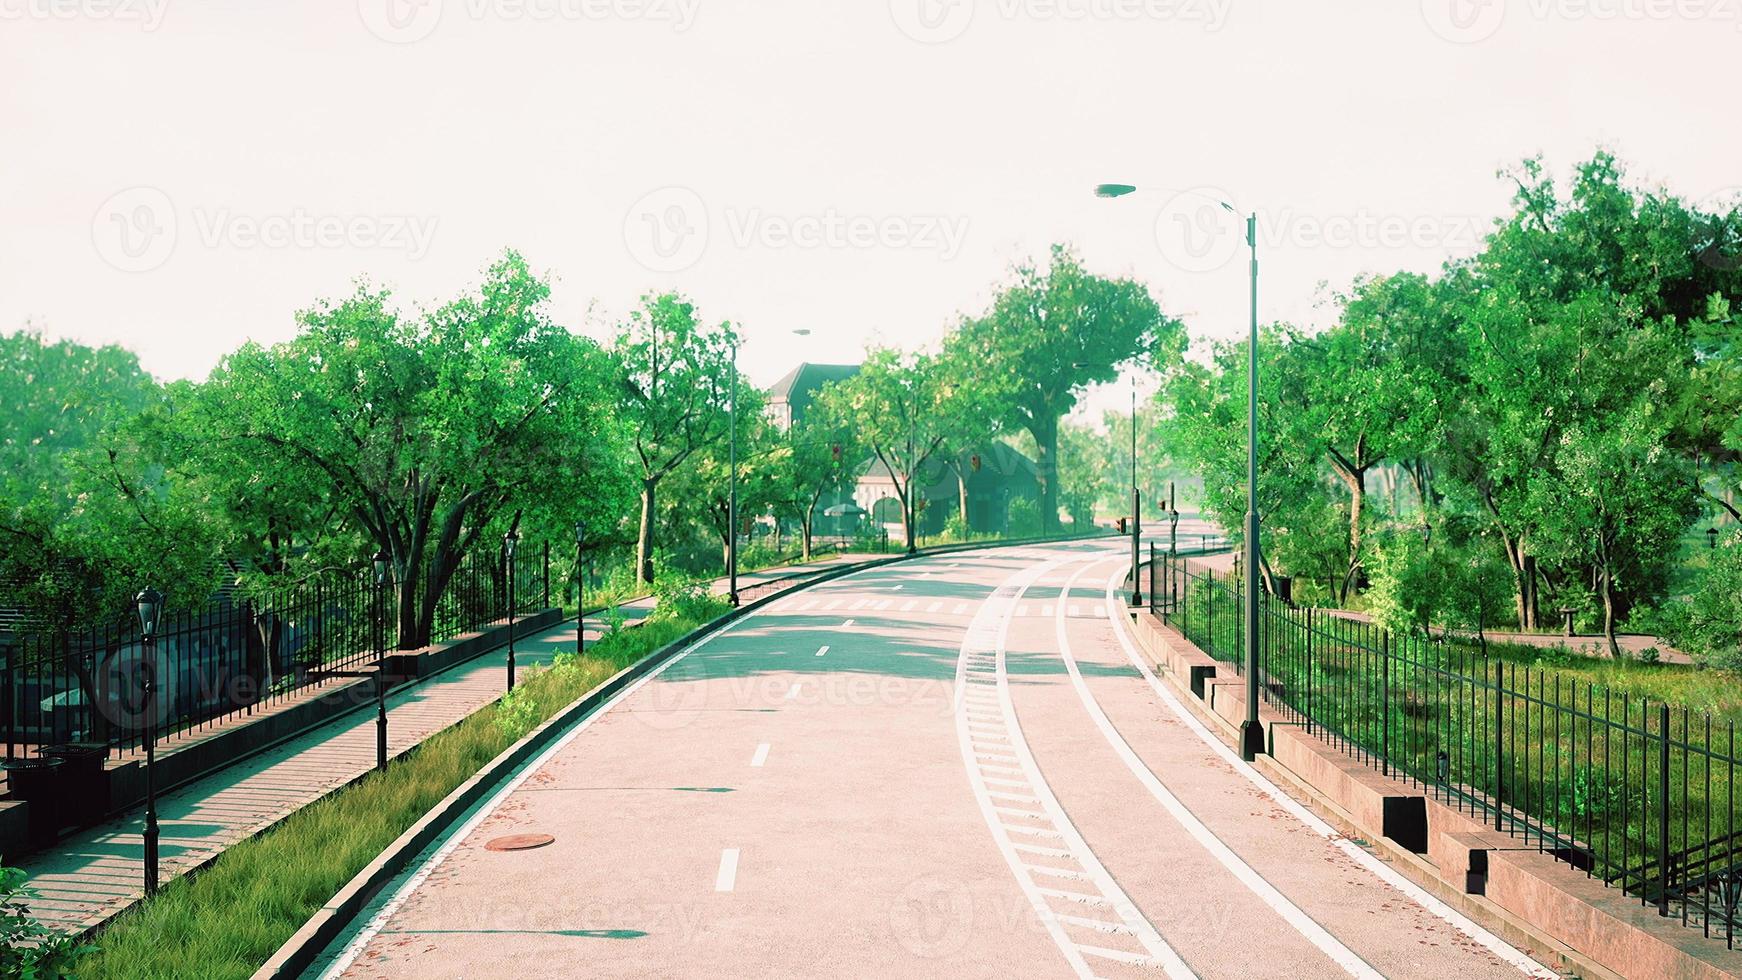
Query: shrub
{"type": "Point", "coordinates": [29, 949]}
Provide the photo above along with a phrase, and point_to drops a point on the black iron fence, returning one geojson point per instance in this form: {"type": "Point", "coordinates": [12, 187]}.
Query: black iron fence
{"type": "Point", "coordinates": [1637, 792]}
{"type": "Point", "coordinates": [64, 691]}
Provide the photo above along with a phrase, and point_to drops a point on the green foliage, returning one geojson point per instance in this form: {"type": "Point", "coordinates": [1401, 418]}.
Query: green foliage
{"type": "Point", "coordinates": [1025, 521]}
{"type": "Point", "coordinates": [1050, 331]}
{"type": "Point", "coordinates": [28, 949]}
{"type": "Point", "coordinates": [1707, 624]}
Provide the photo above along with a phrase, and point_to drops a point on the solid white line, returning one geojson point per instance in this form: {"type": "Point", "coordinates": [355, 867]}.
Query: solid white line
{"type": "Point", "coordinates": [728, 875]}
{"type": "Point", "coordinates": [761, 755]}
{"type": "Point", "coordinates": [995, 618]}
{"type": "Point", "coordinates": [1243, 872]}
{"type": "Point", "coordinates": [1494, 944]}
{"type": "Point", "coordinates": [824, 649]}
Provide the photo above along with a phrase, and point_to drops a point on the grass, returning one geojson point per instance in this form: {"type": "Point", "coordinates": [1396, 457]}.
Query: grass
{"type": "Point", "coordinates": [229, 919]}
{"type": "Point", "coordinates": [1572, 743]}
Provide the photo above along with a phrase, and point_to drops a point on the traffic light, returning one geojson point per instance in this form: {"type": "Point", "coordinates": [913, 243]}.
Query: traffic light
{"type": "Point", "coordinates": [974, 462]}
{"type": "Point", "coordinates": [1123, 526]}
{"type": "Point", "coordinates": [835, 452]}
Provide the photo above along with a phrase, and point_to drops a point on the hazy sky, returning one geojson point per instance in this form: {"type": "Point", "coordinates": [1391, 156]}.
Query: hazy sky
{"type": "Point", "coordinates": [181, 175]}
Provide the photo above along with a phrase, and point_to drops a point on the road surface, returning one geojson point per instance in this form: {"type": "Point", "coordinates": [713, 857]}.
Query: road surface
{"type": "Point", "coordinates": [955, 766]}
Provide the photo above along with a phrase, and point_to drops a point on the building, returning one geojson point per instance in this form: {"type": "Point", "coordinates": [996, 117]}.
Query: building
{"type": "Point", "coordinates": [792, 394]}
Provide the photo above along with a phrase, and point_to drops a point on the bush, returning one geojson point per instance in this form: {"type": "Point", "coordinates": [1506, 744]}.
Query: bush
{"type": "Point", "coordinates": [1024, 518]}
{"type": "Point", "coordinates": [28, 948]}
{"type": "Point", "coordinates": [1706, 624]}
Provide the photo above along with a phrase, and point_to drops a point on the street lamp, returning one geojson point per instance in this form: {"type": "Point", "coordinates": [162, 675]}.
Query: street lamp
{"type": "Point", "coordinates": [150, 604]}
{"type": "Point", "coordinates": [509, 540]}
{"type": "Point", "coordinates": [732, 494]}
{"type": "Point", "coordinates": [382, 565]}
{"type": "Point", "coordinates": [580, 588]}
{"type": "Point", "coordinates": [1251, 731]}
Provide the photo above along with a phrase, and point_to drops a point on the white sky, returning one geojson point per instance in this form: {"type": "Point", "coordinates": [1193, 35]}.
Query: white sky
{"type": "Point", "coordinates": [180, 175]}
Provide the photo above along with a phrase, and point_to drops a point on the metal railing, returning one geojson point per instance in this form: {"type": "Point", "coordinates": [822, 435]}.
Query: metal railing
{"type": "Point", "coordinates": [62, 690]}
{"type": "Point", "coordinates": [1636, 792]}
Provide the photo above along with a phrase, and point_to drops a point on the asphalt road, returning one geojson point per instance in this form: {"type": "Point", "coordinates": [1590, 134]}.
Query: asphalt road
{"type": "Point", "coordinates": [956, 766]}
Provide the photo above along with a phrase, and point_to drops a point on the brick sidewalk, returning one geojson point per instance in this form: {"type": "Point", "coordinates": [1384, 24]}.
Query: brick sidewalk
{"type": "Point", "coordinates": [93, 875]}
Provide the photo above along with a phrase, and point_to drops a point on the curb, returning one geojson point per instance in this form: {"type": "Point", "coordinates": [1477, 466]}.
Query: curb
{"type": "Point", "coordinates": [318, 933]}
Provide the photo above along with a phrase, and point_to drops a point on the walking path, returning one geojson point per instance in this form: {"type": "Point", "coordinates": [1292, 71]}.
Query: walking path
{"type": "Point", "coordinates": [93, 875]}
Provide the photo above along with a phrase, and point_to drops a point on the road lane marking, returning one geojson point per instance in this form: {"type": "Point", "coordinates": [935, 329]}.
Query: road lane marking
{"type": "Point", "coordinates": [885, 603]}
{"type": "Point", "coordinates": [1494, 944]}
{"type": "Point", "coordinates": [1289, 912]}
{"type": "Point", "coordinates": [961, 607]}
{"type": "Point", "coordinates": [909, 604]}
{"type": "Point", "coordinates": [728, 876]}
{"type": "Point", "coordinates": [896, 589]}
{"type": "Point", "coordinates": [368, 931]}
{"type": "Point", "coordinates": [990, 630]}
{"type": "Point", "coordinates": [761, 755]}
{"type": "Point", "coordinates": [835, 603]}
{"type": "Point", "coordinates": [822, 650]}
{"type": "Point", "coordinates": [792, 693]}
{"type": "Point", "coordinates": [1046, 610]}
{"type": "Point", "coordinates": [846, 624]}
{"type": "Point", "coordinates": [934, 607]}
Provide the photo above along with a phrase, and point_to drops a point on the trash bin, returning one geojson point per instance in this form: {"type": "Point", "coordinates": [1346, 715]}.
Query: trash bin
{"type": "Point", "coordinates": [37, 782]}
{"type": "Point", "coordinates": [84, 792]}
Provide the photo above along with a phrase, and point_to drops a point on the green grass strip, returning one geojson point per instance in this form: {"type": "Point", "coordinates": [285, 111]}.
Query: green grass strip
{"type": "Point", "coordinates": [230, 918]}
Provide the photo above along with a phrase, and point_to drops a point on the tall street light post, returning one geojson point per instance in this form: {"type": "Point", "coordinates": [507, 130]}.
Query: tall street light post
{"type": "Point", "coordinates": [1251, 731]}
{"type": "Point", "coordinates": [732, 494]}
{"type": "Point", "coordinates": [509, 540]}
{"type": "Point", "coordinates": [382, 559]}
{"type": "Point", "coordinates": [150, 603]}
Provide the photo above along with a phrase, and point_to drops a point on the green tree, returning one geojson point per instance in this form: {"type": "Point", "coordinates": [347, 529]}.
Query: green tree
{"type": "Point", "coordinates": [675, 395]}
{"type": "Point", "coordinates": [430, 432]}
{"type": "Point", "coordinates": [1054, 329]}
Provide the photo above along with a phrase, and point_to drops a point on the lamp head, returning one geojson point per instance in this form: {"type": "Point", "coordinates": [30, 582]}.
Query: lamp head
{"type": "Point", "coordinates": [509, 540]}
{"type": "Point", "coordinates": [382, 558]}
{"type": "Point", "coordinates": [150, 603]}
{"type": "Point", "coordinates": [580, 532]}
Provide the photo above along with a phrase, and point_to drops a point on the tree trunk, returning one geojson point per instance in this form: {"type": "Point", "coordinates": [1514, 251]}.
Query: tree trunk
{"type": "Point", "coordinates": [962, 497]}
{"type": "Point", "coordinates": [1046, 440]}
{"type": "Point", "coordinates": [1609, 612]}
{"type": "Point", "coordinates": [644, 539]}
{"type": "Point", "coordinates": [804, 530]}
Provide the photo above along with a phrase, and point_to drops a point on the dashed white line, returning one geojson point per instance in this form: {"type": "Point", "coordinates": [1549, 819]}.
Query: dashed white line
{"type": "Point", "coordinates": [846, 624]}
{"type": "Point", "coordinates": [728, 876]}
{"type": "Point", "coordinates": [823, 649]}
{"type": "Point", "coordinates": [760, 757]}
{"type": "Point", "coordinates": [793, 692]}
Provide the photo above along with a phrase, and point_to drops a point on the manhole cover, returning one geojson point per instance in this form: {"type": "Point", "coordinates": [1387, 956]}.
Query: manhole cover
{"type": "Point", "coordinates": [519, 842]}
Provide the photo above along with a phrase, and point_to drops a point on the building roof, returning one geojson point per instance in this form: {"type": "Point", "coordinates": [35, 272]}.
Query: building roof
{"type": "Point", "coordinates": [801, 384]}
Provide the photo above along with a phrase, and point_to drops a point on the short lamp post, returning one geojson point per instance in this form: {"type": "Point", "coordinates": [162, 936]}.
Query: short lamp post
{"type": "Point", "coordinates": [509, 540]}
{"type": "Point", "coordinates": [382, 564]}
{"type": "Point", "coordinates": [150, 604]}
{"type": "Point", "coordinates": [732, 492]}
{"type": "Point", "coordinates": [580, 587]}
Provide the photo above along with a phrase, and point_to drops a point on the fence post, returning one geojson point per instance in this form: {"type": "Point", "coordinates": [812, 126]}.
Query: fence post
{"type": "Point", "coordinates": [1152, 600]}
{"type": "Point", "coordinates": [1499, 744]}
{"type": "Point", "coordinates": [1309, 669]}
{"type": "Point", "coordinates": [1663, 808]}
{"type": "Point", "coordinates": [547, 575]}
{"type": "Point", "coordinates": [1385, 701]}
